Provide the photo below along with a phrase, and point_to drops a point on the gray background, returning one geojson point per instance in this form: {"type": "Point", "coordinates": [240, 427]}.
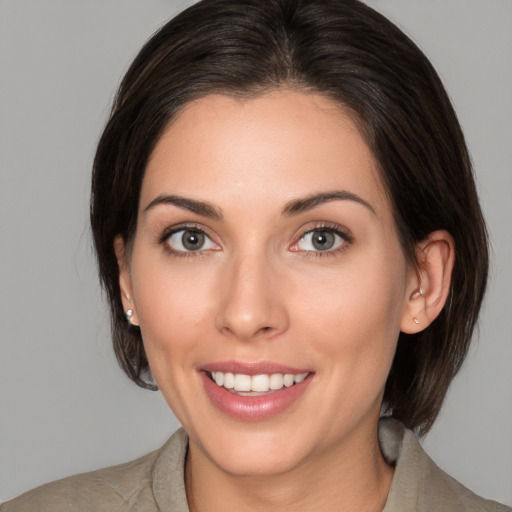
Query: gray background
{"type": "Point", "coordinates": [65, 405]}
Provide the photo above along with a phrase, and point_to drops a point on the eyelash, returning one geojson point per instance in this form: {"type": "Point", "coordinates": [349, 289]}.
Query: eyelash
{"type": "Point", "coordinates": [344, 234]}
{"type": "Point", "coordinates": [163, 239]}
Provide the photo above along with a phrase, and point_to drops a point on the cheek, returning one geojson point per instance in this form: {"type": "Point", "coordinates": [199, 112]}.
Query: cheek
{"type": "Point", "coordinates": [355, 314]}
{"type": "Point", "coordinates": [358, 296]}
{"type": "Point", "coordinates": [171, 305]}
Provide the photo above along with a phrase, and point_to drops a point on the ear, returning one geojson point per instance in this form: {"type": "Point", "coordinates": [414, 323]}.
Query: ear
{"type": "Point", "coordinates": [125, 280]}
{"type": "Point", "coordinates": [429, 287]}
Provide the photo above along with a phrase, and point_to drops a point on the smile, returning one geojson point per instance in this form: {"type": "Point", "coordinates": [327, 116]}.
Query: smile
{"type": "Point", "coordinates": [254, 385]}
{"type": "Point", "coordinates": [254, 391]}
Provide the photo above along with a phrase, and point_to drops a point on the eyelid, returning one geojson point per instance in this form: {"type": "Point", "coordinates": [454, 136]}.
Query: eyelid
{"type": "Point", "coordinates": [182, 226]}
{"type": "Point", "coordinates": [172, 230]}
{"type": "Point", "coordinates": [328, 227]}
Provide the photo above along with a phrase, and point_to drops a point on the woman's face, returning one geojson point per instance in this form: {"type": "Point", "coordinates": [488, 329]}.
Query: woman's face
{"type": "Point", "coordinates": [266, 256]}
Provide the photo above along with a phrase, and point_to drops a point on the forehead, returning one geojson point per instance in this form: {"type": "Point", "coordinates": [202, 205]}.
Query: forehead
{"type": "Point", "coordinates": [292, 140]}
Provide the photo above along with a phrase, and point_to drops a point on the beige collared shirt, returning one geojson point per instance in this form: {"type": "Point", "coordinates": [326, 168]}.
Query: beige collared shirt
{"type": "Point", "coordinates": [155, 483]}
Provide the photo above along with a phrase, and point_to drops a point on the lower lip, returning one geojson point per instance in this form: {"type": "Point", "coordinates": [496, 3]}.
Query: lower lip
{"type": "Point", "coordinates": [252, 408]}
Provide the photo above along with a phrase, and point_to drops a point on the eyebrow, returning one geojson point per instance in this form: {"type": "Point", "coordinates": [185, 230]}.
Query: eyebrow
{"type": "Point", "coordinates": [200, 207]}
{"type": "Point", "coordinates": [304, 204]}
{"type": "Point", "coordinates": [294, 207]}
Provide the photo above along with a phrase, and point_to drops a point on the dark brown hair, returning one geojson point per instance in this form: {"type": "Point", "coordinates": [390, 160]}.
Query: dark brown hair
{"type": "Point", "coordinates": [352, 54]}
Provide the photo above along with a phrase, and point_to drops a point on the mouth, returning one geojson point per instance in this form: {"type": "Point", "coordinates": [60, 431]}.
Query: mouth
{"type": "Point", "coordinates": [254, 391]}
{"type": "Point", "coordinates": [255, 385]}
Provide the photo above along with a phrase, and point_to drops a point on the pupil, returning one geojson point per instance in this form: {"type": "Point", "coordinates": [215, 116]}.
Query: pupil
{"type": "Point", "coordinates": [323, 240]}
{"type": "Point", "coordinates": [192, 240]}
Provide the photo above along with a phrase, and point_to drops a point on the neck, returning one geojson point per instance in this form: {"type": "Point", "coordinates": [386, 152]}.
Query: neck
{"type": "Point", "coordinates": [343, 479]}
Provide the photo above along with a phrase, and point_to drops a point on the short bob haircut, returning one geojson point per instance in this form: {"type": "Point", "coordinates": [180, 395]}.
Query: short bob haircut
{"type": "Point", "coordinates": [348, 52]}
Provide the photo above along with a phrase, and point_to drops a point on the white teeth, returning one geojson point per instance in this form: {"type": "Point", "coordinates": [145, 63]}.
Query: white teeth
{"type": "Point", "coordinates": [242, 382]}
{"type": "Point", "coordinates": [229, 380]}
{"type": "Point", "coordinates": [288, 380]}
{"type": "Point", "coordinates": [276, 381]}
{"type": "Point", "coordinates": [257, 383]}
{"type": "Point", "coordinates": [300, 377]}
{"type": "Point", "coordinates": [260, 383]}
{"type": "Point", "coordinates": [219, 378]}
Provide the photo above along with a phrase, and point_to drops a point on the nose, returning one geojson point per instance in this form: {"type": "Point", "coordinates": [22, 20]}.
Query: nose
{"type": "Point", "coordinates": [251, 301]}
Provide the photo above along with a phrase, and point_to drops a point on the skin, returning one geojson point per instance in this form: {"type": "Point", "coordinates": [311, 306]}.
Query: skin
{"type": "Point", "coordinates": [258, 291]}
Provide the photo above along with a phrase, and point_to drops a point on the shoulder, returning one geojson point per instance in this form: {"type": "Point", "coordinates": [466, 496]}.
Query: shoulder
{"type": "Point", "coordinates": [419, 484]}
{"type": "Point", "coordinates": [127, 486]}
{"type": "Point", "coordinates": [105, 489]}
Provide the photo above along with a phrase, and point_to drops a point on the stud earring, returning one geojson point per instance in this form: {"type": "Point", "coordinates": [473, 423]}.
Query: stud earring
{"type": "Point", "coordinates": [129, 313]}
{"type": "Point", "coordinates": [416, 321]}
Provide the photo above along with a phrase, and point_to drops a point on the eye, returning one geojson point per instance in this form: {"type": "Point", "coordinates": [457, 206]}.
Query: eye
{"type": "Point", "coordinates": [190, 240]}
{"type": "Point", "coordinates": [321, 240]}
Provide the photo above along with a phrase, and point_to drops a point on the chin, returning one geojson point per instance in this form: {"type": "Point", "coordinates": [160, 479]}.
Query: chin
{"type": "Point", "coordinates": [252, 451]}
{"type": "Point", "coordinates": [250, 464]}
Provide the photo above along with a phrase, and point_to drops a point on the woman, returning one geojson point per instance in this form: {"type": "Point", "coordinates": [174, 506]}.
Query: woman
{"type": "Point", "coordinates": [288, 232]}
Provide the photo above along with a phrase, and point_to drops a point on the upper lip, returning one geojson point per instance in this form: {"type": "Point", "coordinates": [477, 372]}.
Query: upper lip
{"type": "Point", "coordinates": [252, 368]}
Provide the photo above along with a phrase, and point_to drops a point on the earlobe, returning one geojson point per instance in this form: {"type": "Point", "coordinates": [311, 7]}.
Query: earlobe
{"type": "Point", "coordinates": [125, 283]}
{"type": "Point", "coordinates": [429, 288]}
